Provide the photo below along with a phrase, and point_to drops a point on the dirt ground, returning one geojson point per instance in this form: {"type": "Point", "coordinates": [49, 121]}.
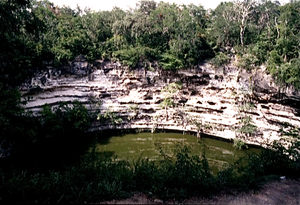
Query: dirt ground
{"type": "Point", "coordinates": [279, 192]}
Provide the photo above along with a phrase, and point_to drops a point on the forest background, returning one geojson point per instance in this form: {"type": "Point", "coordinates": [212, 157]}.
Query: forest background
{"type": "Point", "coordinates": [173, 36]}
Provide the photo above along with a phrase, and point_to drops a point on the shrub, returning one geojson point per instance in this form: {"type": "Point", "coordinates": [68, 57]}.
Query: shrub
{"type": "Point", "coordinates": [284, 73]}
{"type": "Point", "coordinates": [247, 127]}
{"type": "Point", "coordinates": [248, 62]}
{"type": "Point", "coordinates": [170, 62]}
{"type": "Point", "coordinates": [239, 144]}
{"type": "Point", "coordinates": [65, 118]}
{"type": "Point", "coordinates": [110, 116]}
{"type": "Point", "coordinates": [260, 50]}
{"type": "Point", "coordinates": [132, 56]}
{"type": "Point", "coordinates": [219, 60]}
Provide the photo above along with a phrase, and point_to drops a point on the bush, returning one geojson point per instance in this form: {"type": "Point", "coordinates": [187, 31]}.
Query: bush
{"type": "Point", "coordinates": [132, 56]}
{"type": "Point", "coordinates": [219, 60]}
{"type": "Point", "coordinates": [284, 73]}
{"type": "Point", "coordinates": [170, 62]}
{"type": "Point", "coordinates": [65, 118]}
{"type": "Point", "coordinates": [18, 128]}
{"type": "Point", "coordinates": [239, 144]}
{"type": "Point", "coordinates": [248, 62]}
{"type": "Point", "coordinates": [260, 50]}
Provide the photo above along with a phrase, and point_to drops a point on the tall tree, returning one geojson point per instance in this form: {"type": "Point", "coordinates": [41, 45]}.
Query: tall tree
{"type": "Point", "coordinates": [223, 30]}
{"type": "Point", "coordinates": [19, 39]}
{"type": "Point", "coordinates": [284, 60]}
{"type": "Point", "coordinates": [244, 10]}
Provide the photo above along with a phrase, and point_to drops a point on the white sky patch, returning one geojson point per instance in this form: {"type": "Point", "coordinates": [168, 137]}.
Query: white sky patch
{"type": "Point", "coordinates": [103, 5]}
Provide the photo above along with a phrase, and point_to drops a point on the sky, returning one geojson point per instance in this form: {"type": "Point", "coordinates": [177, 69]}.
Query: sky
{"type": "Point", "coordinates": [97, 5]}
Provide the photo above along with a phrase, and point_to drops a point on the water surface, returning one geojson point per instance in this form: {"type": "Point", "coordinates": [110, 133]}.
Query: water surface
{"type": "Point", "coordinates": [132, 146]}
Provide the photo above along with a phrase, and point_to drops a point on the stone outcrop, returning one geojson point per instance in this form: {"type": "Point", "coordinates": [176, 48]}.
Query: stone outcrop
{"type": "Point", "coordinates": [209, 100]}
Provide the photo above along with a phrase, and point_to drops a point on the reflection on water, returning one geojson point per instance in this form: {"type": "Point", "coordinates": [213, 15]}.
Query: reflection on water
{"type": "Point", "coordinates": [132, 146]}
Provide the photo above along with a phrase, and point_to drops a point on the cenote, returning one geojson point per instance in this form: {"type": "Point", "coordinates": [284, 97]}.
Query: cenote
{"type": "Point", "coordinates": [131, 146]}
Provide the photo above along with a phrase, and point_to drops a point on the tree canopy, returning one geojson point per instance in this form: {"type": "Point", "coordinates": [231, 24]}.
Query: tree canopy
{"type": "Point", "coordinates": [174, 36]}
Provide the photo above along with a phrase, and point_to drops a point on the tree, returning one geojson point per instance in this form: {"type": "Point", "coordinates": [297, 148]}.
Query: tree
{"type": "Point", "coordinates": [244, 10]}
{"type": "Point", "coordinates": [186, 27]}
{"type": "Point", "coordinates": [283, 62]}
{"type": "Point", "coordinates": [289, 40]}
{"type": "Point", "coordinates": [18, 128]}
{"type": "Point", "coordinates": [267, 13]}
{"type": "Point", "coordinates": [46, 12]}
{"type": "Point", "coordinates": [231, 21]}
{"type": "Point", "coordinates": [20, 48]}
{"type": "Point", "coordinates": [65, 119]}
{"type": "Point", "coordinates": [169, 96]}
{"type": "Point", "coordinates": [223, 30]}
{"type": "Point", "coordinates": [246, 126]}
{"type": "Point", "coordinates": [173, 34]}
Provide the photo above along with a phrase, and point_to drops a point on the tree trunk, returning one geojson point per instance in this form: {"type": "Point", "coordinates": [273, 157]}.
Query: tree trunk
{"type": "Point", "coordinates": [242, 32]}
{"type": "Point", "coordinates": [167, 117]}
{"type": "Point", "coordinates": [278, 32]}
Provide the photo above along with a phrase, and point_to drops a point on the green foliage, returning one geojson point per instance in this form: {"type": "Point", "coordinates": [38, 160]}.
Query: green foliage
{"type": "Point", "coordinates": [248, 62]}
{"type": "Point", "coordinates": [239, 144]}
{"type": "Point", "coordinates": [283, 62]}
{"type": "Point", "coordinates": [167, 102]}
{"type": "Point", "coordinates": [110, 116]}
{"type": "Point", "coordinates": [175, 36]}
{"type": "Point", "coordinates": [64, 119]}
{"type": "Point", "coordinates": [283, 159]}
{"type": "Point", "coordinates": [169, 94]}
{"type": "Point", "coordinates": [284, 73]}
{"type": "Point", "coordinates": [223, 31]}
{"type": "Point", "coordinates": [246, 106]}
{"type": "Point", "coordinates": [261, 50]}
{"type": "Point", "coordinates": [288, 42]}
{"type": "Point", "coordinates": [171, 62]}
{"type": "Point", "coordinates": [274, 60]}
{"type": "Point", "coordinates": [20, 47]}
{"type": "Point", "coordinates": [172, 88]}
{"type": "Point", "coordinates": [245, 174]}
{"type": "Point", "coordinates": [134, 109]}
{"type": "Point", "coordinates": [246, 126]}
{"type": "Point", "coordinates": [219, 60]}
{"type": "Point", "coordinates": [184, 177]}
{"type": "Point", "coordinates": [107, 48]}
{"type": "Point", "coordinates": [17, 127]}
{"type": "Point", "coordinates": [132, 56]}
{"type": "Point", "coordinates": [19, 130]}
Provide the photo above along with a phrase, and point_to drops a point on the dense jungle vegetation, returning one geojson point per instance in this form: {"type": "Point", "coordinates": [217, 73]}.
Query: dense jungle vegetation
{"type": "Point", "coordinates": [168, 36]}
{"type": "Point", "coordinates": [173, 36]}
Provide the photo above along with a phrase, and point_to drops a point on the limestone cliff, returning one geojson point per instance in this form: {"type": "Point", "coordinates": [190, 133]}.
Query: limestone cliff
{"type": "Point", "coordinates": [209, 101]}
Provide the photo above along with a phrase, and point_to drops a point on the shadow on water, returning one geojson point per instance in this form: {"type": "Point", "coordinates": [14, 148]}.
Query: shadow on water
{"type": "Point", "coordinates": [51, 153]}
{"type": "Point", "coordinates": [106, 154]}
{"type": "Point", "coordinates": [60, 151]}
{"type": "Point", "coordinates": [103, 137]}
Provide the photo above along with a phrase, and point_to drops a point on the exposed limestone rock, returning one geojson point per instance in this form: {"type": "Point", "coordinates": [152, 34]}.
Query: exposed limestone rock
{"type": "Point", "coordinates": [208, 97]}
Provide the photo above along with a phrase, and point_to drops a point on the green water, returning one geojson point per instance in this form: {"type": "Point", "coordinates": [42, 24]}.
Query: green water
{"type": "Point", "coordinates": [132, 146]}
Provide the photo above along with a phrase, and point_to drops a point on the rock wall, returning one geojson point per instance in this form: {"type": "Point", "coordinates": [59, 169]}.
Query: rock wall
{"type": "Point", "coordinates": [208, 97]}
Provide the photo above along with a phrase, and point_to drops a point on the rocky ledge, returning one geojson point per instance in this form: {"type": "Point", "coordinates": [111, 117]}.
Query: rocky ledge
{"type": "Point", "coordinates": [210, 101]}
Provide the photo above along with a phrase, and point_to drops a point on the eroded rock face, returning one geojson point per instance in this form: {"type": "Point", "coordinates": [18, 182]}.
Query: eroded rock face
{"type": "Point", "coordinates": [207, 97]}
